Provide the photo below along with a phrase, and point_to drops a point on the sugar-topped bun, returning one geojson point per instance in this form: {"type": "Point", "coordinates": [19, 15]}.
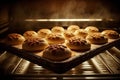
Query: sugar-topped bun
{"type": "Point", "coordinates": [91, 29]}
{"type": "Point", "coordinates": [110, 34]}
{"type": "Point", "coordinates": [57, 29]}
{"type": "Point", "coordinates": [43, 32]}
{"type": "Point", "coordinates": [68, 35]}
{"type": "Point", "coordinates": [14, 39]}
{"type": "Point", "coordinates": [73, 28]}
{"type": "Point", "coordinates": [78, 44]}
{"type": "Point", "coordinates": [56, 52]}
{"type": "Point", "coordinates": [96, 38]}
{"type": "Point", "coordinates": [34, 44]}
{"type": "Point", "coordinates": [29, 34]}
{"type": "Point", "coordinates": [55, 38]}
{"type": "Point", "coordinates": [81, 33]}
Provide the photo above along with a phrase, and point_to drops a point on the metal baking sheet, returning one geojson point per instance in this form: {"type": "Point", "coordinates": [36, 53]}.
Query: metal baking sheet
{"type": "Point", "coordinates": [59, 66]}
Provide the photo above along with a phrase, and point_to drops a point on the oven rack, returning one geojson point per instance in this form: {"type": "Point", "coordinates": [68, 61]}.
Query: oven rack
{"type": "Point", "coordinates": [96, 68]}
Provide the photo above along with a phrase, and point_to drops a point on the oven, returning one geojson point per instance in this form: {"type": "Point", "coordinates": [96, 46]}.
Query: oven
{"type": "Point", "coordinates": [22, 15]}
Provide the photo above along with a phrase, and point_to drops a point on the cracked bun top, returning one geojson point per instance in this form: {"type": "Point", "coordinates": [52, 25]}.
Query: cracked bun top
{"type": "Point", "coordinates": [57, 29]}
{"type": "Point", "coordinates": [56, 48]}
{"type": "Point", "coordinates": [14, 36]}
{"type": "Point", "coordinates": [43, 32]}
{"type": "Point", "coordinates": [91, 29]}
{"type": "Point", "coordinates": [68, 34]}
{"type": "Point", "coordinates": [34, 41]}
{"type": "Point", "coordinates": [73, 28]}
{"type": "Point", "coordinates": [29, 34]}
{"type": "Point", "coordinates": [14, 39]}
{"type": "Point", "coordinates": [111, 34]}
{"type": "Point", "coordinates": [77, 41]}
{"type": "Point", "coordinates": [55, 36]}
{"type": "Point", "coordinates": [81, 33]}
{"type": "Point", "coordinates": [96, 36]}
{"type": "Point", "coordinates": [57, 52]}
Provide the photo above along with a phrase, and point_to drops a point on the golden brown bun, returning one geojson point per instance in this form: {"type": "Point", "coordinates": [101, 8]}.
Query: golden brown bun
{"type": "Point", "coordinates": [34, 44]}
{"type": "Point", "coordinates": [81, 33]}
{"type": "Point", "coordinates": [73, 28]}
{"type": "Point", "coordinates": [43, 32]}
{"type": "Point", "coordinates": [96, 38]}
{"type": "Point", "coordinates": [57, 52]}
{"type": "Point", "coordinates": [57, 29]}
{"type": "Point", "coordinates": [68, 35]}
{"type": "Point", "coordinates": [110, 34]}
{"type": "Point", "coordinates": [14, 39]}
{"type": "Point", "coordinates": [55, 38]}
{"type": "Point", "coordinates": [29, 34]}
{"type": "Point", "coordinates": [78, 44]}
{"type": "Point", "coordinates": [91, 29]}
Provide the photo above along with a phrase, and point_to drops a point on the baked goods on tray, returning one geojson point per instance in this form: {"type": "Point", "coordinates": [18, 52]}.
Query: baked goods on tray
{"type": "Point", "coordinates": [43, 32]}
{"type": "Point", "coordinates": [81, 33]}
{"type": "Point", "coordinates": [57, 29]}
{"type": "Point", "coordinates": [96, 38]}
{"type": "Point", "coordinates": [58, 57]}
{"type": "Point", "coordinates": [67, 41]}
{"type": "Point", "coordinates": [57, 52]}
{"type": "Point", "coordinates": [29, 34]}
{"type": "Point", "coordinates": [110, 34]}
{"type": "Point", "coordinates": [73, 28]}
{"type": "Point", "coordinates": [78, 44]}
{"type": "Point", "coordinates": [91, 29]}
{"type": "Point", "coordinates": [14, 39]}
{"type": "Point", "coordinates": [34, 44]}
{"type": "Point", "coordinates": [68, 35]}
{"type": "Point", "coordinates": [55, 38]}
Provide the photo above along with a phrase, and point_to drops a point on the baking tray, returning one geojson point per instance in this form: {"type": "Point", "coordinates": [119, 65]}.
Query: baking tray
{"type": "Point", "coordinates": [60, 66]}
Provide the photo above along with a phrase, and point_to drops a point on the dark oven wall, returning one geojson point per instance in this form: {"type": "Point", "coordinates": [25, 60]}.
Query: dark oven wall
{"type": "Point", "coordinates": [4, 17]}
{"type": "Point", "coordinates": [20, 10]}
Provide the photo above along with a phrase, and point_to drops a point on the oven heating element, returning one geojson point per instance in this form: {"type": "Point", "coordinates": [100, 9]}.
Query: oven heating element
{"type": "Point", "coordinates": [66, 20]}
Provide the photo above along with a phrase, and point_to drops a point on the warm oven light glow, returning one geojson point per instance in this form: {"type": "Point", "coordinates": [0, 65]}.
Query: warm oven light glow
{"type": "Point", "coordinates": [62, 20]}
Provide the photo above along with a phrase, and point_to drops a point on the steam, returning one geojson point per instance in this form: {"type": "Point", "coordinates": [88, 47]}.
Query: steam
{"type": "Point", "coordinates": [67, 9]}
{"type": "Point", "coordinates": [81, 9]}
{"type": "Point", "coordinates": [70, 10]}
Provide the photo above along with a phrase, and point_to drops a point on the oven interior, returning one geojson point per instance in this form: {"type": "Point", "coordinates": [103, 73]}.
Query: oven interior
{"type": "Point", "coordinates": [22, 15]}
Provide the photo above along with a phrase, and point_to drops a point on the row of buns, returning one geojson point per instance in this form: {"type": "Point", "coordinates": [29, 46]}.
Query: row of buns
{"type": "Point", "coordinates": [59, 34]}
{"type": "Point", "coordinates": [60, 41]}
